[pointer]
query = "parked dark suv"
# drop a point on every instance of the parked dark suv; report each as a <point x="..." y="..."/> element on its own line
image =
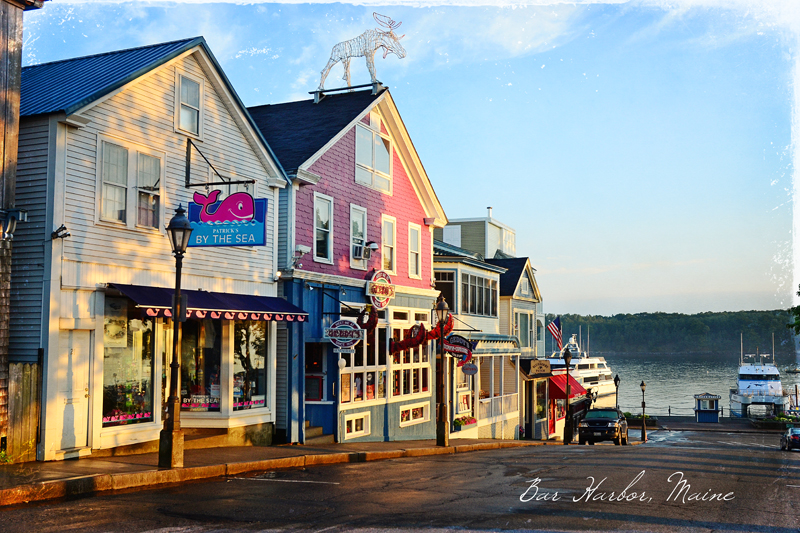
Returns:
<point x="603" y="424"/>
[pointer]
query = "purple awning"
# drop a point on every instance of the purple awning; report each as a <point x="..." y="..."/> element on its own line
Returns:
<point x="157" y="302"/>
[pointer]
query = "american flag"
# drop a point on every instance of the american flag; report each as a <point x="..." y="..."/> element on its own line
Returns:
<point x="555" y="330"/>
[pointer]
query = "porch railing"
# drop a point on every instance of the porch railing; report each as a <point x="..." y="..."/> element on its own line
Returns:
<point x="499" y="405"/>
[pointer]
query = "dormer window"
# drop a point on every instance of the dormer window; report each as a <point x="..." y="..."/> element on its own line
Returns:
<point x="373" y="155"/>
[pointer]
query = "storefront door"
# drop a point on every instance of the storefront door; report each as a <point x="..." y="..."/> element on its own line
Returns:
<point x="551" y="426"/>
<point x="73" y="388"/>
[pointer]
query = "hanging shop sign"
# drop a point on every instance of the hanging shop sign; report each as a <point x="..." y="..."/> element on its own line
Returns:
<point x="470" y="369"/>
<point x="539" y="366"/>
<point x="380" y="289"/>
<point x="237" y="220"/>
<point x="344" y="334"/>
<point x="460" y="347"/>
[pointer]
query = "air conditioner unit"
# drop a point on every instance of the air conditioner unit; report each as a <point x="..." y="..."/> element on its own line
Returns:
<point x="361" y="252"/>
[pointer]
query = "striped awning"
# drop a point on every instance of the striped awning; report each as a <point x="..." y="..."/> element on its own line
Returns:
<point x="157" y="302"/>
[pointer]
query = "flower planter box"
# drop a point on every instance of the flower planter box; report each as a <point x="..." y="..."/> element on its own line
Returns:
<point x="771" y="424"/>
<point x="465" y="427"/>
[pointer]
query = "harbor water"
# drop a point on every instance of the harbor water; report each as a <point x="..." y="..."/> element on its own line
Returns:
<point x="672" y="380"/>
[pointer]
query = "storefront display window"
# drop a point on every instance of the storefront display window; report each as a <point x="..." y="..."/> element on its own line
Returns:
<point x="201" y="361"/>
<point x="249" y="364"/>
<point x="128" y="347"/>
<point x="561" y="409"/>
<point x="541" y="400"/>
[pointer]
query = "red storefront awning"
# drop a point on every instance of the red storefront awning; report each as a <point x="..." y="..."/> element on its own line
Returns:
<point x="558" y="387"/>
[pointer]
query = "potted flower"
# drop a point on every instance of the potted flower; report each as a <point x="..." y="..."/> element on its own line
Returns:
<point x="464" y="422"/>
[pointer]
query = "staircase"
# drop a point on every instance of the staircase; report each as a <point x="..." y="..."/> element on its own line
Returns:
<point x="314" y="435"/>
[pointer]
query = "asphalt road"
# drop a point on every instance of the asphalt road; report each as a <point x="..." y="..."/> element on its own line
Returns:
<point x="679" y="481"/>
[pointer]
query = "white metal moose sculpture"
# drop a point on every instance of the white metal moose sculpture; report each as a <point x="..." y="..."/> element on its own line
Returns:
<point x="366" y="45"/>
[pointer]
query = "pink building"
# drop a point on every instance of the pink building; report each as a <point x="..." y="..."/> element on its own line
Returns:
<point x="355" y="228"/>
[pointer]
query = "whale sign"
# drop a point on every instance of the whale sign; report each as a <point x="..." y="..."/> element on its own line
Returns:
<point x="236" y="220"/>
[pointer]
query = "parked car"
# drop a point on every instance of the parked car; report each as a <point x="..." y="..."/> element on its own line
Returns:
<point x="603" y="424"/>
<point x="790" y="439"/>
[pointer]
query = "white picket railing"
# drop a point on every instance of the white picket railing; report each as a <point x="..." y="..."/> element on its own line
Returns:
<point x="499" y="405"/>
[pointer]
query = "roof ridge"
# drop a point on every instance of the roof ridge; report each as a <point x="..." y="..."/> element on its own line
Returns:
<point x="188" y="40"/>
<point x="308" y="100"/>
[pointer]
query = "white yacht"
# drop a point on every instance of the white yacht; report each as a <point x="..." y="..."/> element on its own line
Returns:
<point x="591" y="372"/>
<point x="758" y="383"/>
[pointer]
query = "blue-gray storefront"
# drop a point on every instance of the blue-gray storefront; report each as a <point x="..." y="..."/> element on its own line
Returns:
<point x="369" y="395"/>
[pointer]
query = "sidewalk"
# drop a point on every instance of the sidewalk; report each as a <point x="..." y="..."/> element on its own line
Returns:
<point x="28" y="482"/>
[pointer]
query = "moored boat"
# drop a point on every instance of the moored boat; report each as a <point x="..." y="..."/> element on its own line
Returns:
<point x="590" y="371"/>
<point x="758" y="384"/>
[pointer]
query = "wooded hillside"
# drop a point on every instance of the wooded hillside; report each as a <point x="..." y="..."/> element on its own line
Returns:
<point x="679" y="333"/>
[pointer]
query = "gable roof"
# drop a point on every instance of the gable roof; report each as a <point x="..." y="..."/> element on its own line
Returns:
<point x="298" y="130"/>
<point x="70" y="84"/>
<point x="515" y="268"/>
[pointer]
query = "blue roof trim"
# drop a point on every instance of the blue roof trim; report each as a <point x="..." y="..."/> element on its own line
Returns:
<point x="51" y="87"/>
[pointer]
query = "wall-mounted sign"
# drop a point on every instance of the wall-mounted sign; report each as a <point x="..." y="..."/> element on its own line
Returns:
<point x="539" y="366"/>
<point x="380" y="289"/>
<point x="470" y="369"/>
<point x="238" y="220"/>
<point x="344" y="334"/>
<point x="460" y="347"/>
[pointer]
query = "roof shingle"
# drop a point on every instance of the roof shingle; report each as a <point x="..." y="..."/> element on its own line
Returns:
<point x="297" y="130"/>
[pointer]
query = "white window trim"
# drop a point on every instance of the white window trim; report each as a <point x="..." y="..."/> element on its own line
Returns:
<point x="417" y="227"/>
<point x="375" y="129"/>
<point x="393" y="220"/>
<point x="177" y="116"/>
<point x="329" y="259"/>
<point x="132" y="198"/>
<point x="352" y="417"/>
<point x="426" y="410"/>
<point x="357" y="264"/>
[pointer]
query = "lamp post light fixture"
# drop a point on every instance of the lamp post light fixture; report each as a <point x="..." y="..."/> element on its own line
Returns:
<point x="442" y="429"/>
<point x="568" y="417"/>
<point x="170" y="445"/>
<point x="616" y="394"/>
<point x="644" y="422"/>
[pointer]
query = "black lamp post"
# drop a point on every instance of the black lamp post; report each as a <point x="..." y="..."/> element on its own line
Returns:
<point x="568" y="417"/>
<point x="616" y="394"/>
<point x="442" y="431"/>
<point x="170" y="446"/>
<point x="644" y="422"/>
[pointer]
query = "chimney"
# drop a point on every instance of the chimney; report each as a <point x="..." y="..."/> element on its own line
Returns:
<point x="490" y="211"/>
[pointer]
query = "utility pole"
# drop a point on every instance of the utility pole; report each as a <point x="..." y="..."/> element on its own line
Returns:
<point x="10" y="69"/>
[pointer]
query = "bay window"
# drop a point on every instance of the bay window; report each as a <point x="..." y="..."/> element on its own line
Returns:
<point x="128" y="347"/>
<point x="478" y="295"/>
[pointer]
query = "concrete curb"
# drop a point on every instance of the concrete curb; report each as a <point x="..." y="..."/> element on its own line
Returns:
<point x="81" y="485"/>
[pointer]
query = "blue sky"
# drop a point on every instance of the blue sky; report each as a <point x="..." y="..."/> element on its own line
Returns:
<point x="643" y="154"/>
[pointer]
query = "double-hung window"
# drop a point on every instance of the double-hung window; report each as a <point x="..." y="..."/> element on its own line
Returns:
<point x="414" y="255"/>
<point x="130" y="179"/>
<point x="358" y="236"/>
<point x="188" y="104"/>
<point x="373" y="155"/>
<point x="323" y="228"/>
<point x="388" y="239"/>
